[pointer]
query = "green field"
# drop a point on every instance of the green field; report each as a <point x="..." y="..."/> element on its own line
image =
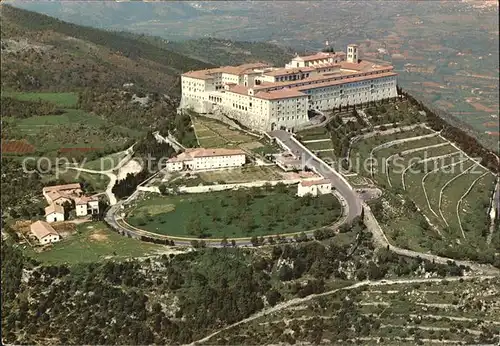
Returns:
<point x="105" y="163"/>
<point x="65" y="100"/>
<point x="73" y="129"/>
<point x="319" y="145"/>
<point x="240" y="213"/>
<point x="94" y="242"/>
<point x="314" y="133"/>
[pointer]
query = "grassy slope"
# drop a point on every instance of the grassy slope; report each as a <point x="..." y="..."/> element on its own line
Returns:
<point x="73" y="56"/>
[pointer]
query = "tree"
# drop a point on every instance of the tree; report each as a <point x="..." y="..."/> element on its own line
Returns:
<point x="255" y="241"/>
<point x="163" y="189"/>
<point x="224" y="241"/>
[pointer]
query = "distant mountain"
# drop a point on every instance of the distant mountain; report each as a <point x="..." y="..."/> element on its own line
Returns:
<point x="111" y="14"/>
<point x="43" y="53"/>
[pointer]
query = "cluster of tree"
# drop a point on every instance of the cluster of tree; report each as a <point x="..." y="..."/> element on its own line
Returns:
<point x="21" y="190"/>
<point x="125" y="187"/>
<point x="256" y="208"/>
<point x="12" y="107"/>
<point x="181" y="127"/>
<point x="164" y="241"/>
<point x="150" y="147"/>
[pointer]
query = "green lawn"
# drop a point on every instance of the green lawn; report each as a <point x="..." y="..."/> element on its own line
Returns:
<point x="314" y="133"/>
<point x="319" y="145"/>
<point x="94" y="242"/>
<point x="65" y="100"/>
<point x="234" y="213"/>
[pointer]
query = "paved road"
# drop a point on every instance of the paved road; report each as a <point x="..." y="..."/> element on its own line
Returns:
<point x="354" y="204"/>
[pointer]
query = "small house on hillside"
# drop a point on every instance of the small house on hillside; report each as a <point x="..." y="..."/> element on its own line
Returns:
<point x="86" y="205"/>
<point x="44" y="232"/>
<point x="54" y="213"/>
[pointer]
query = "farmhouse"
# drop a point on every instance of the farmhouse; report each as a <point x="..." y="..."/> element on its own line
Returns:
<point x="266" y="98"/>
<point x="201" y="158"/>
<point x="59" y="194"/>
<point x="54" y="213"/>
<point x="314" y="187"/>
<point x="44" y="232"/>
<point x="86" y="205"/>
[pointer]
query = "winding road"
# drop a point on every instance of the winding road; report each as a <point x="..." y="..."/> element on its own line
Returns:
<point x="353" y="202"/>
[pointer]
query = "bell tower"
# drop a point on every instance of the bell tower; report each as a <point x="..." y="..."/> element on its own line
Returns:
<point x="352" y="53"/>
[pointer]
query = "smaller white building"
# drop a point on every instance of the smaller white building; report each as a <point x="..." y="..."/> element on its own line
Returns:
<point x="314" y="187"/>
<point x="86" y="205"/>
<point x="201" y="158"/>
<point x="54" y="213"/>
<point x="44" y="232"/>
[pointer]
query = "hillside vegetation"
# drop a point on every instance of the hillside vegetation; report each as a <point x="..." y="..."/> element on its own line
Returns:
<point x="44" y="53"/>
<point x="227" y="52"/>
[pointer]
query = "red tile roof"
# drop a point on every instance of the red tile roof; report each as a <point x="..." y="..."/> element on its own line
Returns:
<point x="41" y="229"/>
<point x="54" y="208"/>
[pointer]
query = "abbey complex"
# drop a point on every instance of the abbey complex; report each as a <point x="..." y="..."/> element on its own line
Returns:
<point x="267" y="98"/>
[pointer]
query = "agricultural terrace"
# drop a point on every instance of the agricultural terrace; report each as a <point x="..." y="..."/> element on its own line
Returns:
<point x="64" y="100"/>
<point x="234" y="214"/>
<point x="215" y="134"/>
<point x="393" y="314"/>
<point x="73" y="129"/>
<point x="93" y="242"/>
<point x="318" y="140"/>
<point x="421" y="167"/>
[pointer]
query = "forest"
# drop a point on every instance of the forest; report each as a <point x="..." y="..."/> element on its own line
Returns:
<point x="181" y="298"/>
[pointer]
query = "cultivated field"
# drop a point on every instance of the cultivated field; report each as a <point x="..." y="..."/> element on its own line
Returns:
<point x="73" y="129"/>
<point x="65" y="100"/>
<point x="215" y="134"/>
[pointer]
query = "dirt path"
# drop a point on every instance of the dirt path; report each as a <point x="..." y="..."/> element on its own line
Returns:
<point x="297" y="301"/>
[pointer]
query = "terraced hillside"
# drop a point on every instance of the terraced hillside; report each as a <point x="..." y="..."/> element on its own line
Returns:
<point x="435" y="197"/>
<point x="389" y="313"/>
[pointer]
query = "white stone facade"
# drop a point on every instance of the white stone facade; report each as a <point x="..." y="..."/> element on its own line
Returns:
<point x="314" y="187"/>
<point x="86" y="206"/>
<point x="200" y="159"/>
<point x="266" y="98"/>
